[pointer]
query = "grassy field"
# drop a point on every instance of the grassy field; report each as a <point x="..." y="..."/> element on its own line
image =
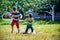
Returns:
<point x="44" y="31"/>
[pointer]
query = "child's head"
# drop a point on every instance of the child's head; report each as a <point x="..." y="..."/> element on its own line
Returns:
<point x="14" y="8"/>
<point x="30" y="16"/>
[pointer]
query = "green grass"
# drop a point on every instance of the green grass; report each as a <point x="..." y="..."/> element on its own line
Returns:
<point x="44" y="31"/>
<point x="44" y="21"/>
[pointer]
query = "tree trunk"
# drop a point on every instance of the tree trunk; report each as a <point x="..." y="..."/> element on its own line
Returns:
<point x="53" y="13"/>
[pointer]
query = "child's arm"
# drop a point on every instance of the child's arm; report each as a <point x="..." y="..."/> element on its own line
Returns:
<point x="20" y="15"/>
<point x="25" y="19"/>
<point x="32" y="20"/>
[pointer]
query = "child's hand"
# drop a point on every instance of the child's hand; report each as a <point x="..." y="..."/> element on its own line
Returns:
<point x="24" y="21"/>
<point x="30" y="23"/>
<point x="21" y="16"/>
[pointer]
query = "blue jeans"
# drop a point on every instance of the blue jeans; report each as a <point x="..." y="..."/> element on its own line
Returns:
<point x="29" y="27"/>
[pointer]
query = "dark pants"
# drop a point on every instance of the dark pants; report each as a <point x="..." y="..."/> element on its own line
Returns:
<point x="29" y="27"/>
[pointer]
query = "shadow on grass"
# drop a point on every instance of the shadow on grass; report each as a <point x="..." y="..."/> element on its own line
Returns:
<point x="56" y="36"/>
<point x="58" y="29"/>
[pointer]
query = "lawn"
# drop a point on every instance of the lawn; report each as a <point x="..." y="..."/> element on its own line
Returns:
<point x="43" y="31"/>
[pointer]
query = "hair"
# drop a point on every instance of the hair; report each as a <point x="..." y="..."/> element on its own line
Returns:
<point x="30" y="15"/>
<point x="14" y="8"/>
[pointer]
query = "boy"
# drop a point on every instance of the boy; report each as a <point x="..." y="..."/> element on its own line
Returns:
<point x="15" y="16"/>
<point x="29" y="21"/>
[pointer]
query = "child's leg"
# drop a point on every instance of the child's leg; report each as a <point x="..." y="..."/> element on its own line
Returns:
<point x="12" y="24"/>
<point x="27" y="29"/>
<point x="32" y="29"/>
<point x="17" y="25"/>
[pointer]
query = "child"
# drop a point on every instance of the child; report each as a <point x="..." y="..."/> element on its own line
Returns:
<point x="29" y="21"/>
<point x="15" y="16"/>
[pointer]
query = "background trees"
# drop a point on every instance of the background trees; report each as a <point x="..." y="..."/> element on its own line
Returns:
<point x="6" y="5"/>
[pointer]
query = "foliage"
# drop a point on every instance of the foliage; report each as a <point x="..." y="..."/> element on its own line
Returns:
<point x="6" y="5"/>
<point x="39" y="22"/>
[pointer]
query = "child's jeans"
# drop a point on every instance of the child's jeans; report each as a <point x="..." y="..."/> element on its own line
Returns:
<point x="29" y="27"/>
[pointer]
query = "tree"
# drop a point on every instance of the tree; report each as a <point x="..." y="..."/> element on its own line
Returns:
<point x="6" y="5"/>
